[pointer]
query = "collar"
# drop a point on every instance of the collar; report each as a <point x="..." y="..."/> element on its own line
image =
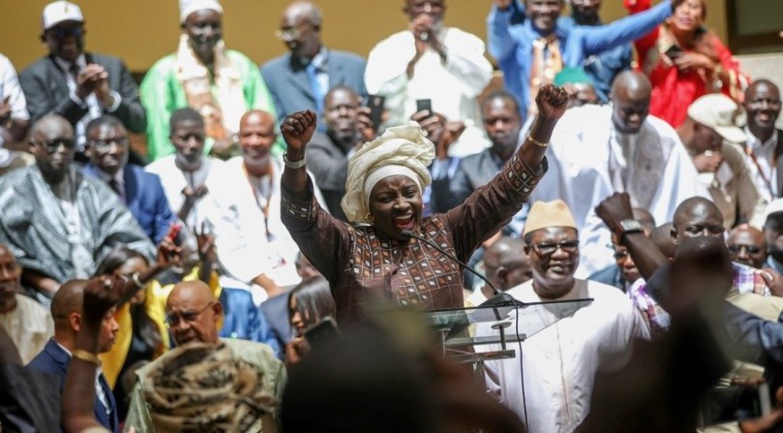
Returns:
<point x="98" y="370"/>
<point x="755" y="143"/>
<point x="119" y="177"/>
<point x="81" y="62"/>
<point x="534" y="34"/>
<point x="319" y="62"/>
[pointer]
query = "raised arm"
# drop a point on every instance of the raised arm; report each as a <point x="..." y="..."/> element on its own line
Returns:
<point x="499" y="40"/>
<point x="626" y="30"/>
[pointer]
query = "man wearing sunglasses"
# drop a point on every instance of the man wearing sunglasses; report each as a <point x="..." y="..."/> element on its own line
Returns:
<point x="194" y="315"/>
<point x="77" y="85"/>
<point x="748" y="246"/>
<point x="560" y="362"/>
<point x="58" y="222"/>
<point x="300" y="79"/>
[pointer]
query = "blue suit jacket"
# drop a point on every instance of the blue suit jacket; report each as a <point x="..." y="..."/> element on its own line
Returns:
<point x="287" y="80"/>
<point x="146" y="200"/>
<point x="243" y="320"/>
<point x="54" y="360"/>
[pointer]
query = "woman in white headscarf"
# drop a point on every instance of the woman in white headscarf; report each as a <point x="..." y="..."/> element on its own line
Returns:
<point x="377" y="260"/>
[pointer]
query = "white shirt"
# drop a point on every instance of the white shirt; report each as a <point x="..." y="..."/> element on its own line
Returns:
<point x="175" y="180"/>
<point x="560" y="363"/>
<point x="763" y="168"/>
<point x="94" y="107"/>
<point x="30" y="327"/>
<point x="98" y="388"/>
<point x="10" y="88"/>
<point x="452" y="85"/>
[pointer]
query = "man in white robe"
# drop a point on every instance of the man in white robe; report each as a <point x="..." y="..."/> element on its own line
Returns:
<point x="624" y="149"/>
<point x="431" y="61"/>
<point x="559" y="363"/>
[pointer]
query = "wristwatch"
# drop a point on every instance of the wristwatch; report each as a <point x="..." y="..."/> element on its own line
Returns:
<point x="629" y="226"/>
<point x="293" y="164"/>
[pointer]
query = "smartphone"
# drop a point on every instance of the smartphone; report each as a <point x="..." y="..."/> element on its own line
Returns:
<point x="174" y="233"/>
<point x="734" y="403"/>
<point x="376" y="103"/>
<point x="673" y="52"/>
<point x="424" y="105"/>
<point x="322" y="332"/>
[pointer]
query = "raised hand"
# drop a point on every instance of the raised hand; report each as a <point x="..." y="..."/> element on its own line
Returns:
<point x="552" y="102"/>
<point x="297" y="130"/>
<point x="502" y="4"/>
<point x="364" y="124"/>
<point x="708" y="162"/>
<point x="88" y="80"/>
<point x="100" y="295"/>
<point x="614" y="209"/>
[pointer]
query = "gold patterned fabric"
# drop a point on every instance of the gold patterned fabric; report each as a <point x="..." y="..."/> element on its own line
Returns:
<point x="364" y="270"/>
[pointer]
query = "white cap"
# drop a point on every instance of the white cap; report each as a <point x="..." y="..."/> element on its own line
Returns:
<point x="187" y="7"/>
<point x="775" y="206"/>
<point x="59" y="11"/>
<point x="721" y="113"/>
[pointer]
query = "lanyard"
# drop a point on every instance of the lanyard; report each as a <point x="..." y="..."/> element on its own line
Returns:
<point x="265" y="207"/>
<point x="752" y="155"/>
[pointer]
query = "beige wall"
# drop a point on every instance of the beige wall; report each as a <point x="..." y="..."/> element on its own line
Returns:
<point x="142" y="31"/>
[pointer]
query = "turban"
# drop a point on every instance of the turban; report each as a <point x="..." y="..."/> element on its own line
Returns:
<point x="549" y="214"/>
<point x="401" y="150"/>
<point x="187" y="7"/>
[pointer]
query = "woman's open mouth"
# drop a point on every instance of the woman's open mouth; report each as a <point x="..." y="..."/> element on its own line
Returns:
<point x="404" y="222"/>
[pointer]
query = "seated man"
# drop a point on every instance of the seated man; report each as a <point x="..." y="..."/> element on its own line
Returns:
<point x="712" y="135"/>
<point x="748" y="246"/>
<point x="27" y="323"/>
<point x="299" y="80"/>
<point x="77" y="85"/>
<point x="220" y="84"/>
<point x="505" y="266"/>
<point x="193" y="315"/>
<point x="188" y="175"/>
<point x="141" y="192"/>
<point x="560" y="362"/>
<point x="57" y="222"/>
<point x="56" y="357"/>
<point x="432" y="61"/>
<point x="328" y="154"/>
<point x="253" y="245"/>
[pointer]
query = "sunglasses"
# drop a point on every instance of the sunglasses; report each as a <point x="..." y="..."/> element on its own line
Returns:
<point x="751" y="249"/>
<point x="621" y="254"/>
<point x="52" y="145"/>
<point x="104" y="144"/>
<point x="547" y="249"/>
<point x="62" y="33"/>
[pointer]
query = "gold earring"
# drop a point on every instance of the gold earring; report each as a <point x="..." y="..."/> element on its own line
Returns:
<point x="369" y="217"/>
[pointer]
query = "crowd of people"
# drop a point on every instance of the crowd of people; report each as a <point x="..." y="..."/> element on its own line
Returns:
<point x="230" y="276"/>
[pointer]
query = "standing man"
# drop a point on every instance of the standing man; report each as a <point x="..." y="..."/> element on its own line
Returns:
<point x="58" y="223"/>
<point x="713" y="139"/>
<point x="764" y="147"/>
<point x="75" y="84"/>
<point x="142" y="192"/>
<point x="300" y="80"/>
<point x="56" y="357"/>
<point x="530" y="54"/>
<point x="431" y="61"/>
<point x="748" y="246"/>
<point x="347" y="128"/>
<point x="188" y="175"/>
<point x="560" y="362"/>
<point x="220" y="84"/>
<point x="27" y="323"/>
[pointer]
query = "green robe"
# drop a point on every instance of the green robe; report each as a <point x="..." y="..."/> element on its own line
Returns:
<point x="161" y="94"/>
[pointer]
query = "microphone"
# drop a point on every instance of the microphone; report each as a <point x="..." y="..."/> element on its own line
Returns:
<point x="411" y="234"/>
<point x="424" y="36"/>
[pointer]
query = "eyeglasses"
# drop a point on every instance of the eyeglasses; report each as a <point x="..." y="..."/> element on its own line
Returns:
<point x="547" y="249"/>
<point x="618" y="255"/>
<point x="103" y="144"/>
<point x="751" y="249"/>
<point x="64" y="32"/>
<point x="52" y="145"/>
<point x="291" y="33"/>
<point x="186" y="316"/>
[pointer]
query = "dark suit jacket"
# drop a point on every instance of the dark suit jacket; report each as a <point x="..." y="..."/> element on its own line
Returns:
<point x="146" y="200"/>
<point x="328" y="163"/>
<point x="779" y="154"/>
<point x="46" y="89"/>
<point x="275" y="310"/>
<point x="287" y="80"/>
<point x="472" y="172"/>
<point x="55" y="361"/>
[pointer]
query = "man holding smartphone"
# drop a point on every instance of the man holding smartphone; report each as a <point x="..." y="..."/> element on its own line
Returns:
<point x="430" y="61"/>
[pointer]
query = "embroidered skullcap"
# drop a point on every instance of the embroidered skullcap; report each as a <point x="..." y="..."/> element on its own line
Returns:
<point x="401" y="150"/>
<point x="187" y="7"/>
<point x="549" y="214"/>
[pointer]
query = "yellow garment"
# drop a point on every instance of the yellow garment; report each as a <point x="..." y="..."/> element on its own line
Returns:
<point x="155" y="307"/>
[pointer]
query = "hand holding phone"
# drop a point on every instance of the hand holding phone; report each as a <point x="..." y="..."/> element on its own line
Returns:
<point x="376" y="104"/>
<point x="424" y="105"/>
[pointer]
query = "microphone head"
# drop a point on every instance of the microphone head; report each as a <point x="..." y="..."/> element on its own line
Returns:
<point x="407" y="233"/>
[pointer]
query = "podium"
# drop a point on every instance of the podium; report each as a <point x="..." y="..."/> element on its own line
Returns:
<point x="499" y="321"/>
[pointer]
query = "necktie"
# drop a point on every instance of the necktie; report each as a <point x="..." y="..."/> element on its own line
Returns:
<point x="547" y="62"/>
<point x="115" y="186"/>
<point x="318" y="92"/>
<point x="74" y="71"/>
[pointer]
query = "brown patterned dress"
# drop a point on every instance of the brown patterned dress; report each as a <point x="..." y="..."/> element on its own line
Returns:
<point x="364" y="270"/>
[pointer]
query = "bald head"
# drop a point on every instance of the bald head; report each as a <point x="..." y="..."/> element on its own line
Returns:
<point x="10" y="280"/>
<point x="631" y="93"/>
<point x="300" y="29"/>
<point x="52" y="144"/>
<point x="662" y="237"/>
<point x="309" y="11"/>
<point x="256" y="137"/>
<point x="256" y="117"/>
<point x="748" y="246"/>
<point x="645" y="218"/>
<point x="697" y="216"/>
<point x="506" y="263"/>
<point x="193" y="313"/>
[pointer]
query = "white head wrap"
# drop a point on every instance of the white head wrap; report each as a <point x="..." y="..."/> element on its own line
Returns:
<point x="187" y="7"/>
<point x="401" y="150"/>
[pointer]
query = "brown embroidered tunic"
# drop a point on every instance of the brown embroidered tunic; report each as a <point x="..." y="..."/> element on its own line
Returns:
<point x="364" y="270"/>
